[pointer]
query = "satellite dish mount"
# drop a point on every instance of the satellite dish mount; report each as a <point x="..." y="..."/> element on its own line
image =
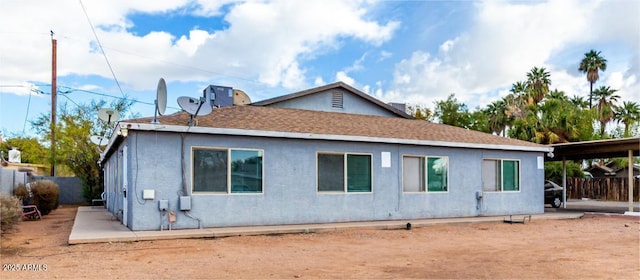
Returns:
<point x="195" y="107"/>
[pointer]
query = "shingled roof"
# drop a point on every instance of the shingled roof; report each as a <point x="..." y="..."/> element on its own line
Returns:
<point x="306" y="122"/>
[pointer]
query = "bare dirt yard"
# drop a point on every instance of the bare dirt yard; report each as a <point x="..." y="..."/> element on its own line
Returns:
<point x="594" y="247"/>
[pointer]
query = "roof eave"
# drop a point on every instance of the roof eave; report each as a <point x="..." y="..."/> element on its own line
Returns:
<point x="316" y="136"/>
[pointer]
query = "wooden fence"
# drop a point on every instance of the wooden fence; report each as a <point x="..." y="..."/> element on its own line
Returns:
<point x="612" y="189"/>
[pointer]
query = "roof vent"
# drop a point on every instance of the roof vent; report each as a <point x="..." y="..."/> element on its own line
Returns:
<point x="336" y="100"/>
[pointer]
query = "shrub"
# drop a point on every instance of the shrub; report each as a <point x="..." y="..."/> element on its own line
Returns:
<point x="21" y="193"/>
<point x="10" y="211"/>
<point x="45" y="195"/>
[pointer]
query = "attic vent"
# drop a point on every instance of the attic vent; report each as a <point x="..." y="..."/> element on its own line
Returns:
<point x="336" y="100"/>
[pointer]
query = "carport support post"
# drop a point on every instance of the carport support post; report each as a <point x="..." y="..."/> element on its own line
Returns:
<point x="564" y="183"/>
<point x="630" y="178"/>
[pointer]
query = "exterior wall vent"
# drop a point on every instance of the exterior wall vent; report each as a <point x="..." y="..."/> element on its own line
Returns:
<point x="336" y="100"/>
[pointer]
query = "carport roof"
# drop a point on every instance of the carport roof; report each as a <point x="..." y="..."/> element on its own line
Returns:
<point x="608" y="148"/>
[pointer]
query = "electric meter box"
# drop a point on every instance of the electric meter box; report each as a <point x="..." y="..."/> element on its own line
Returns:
<point x="185" y="203"/>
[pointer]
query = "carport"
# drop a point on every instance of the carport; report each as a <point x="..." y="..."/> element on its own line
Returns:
<point x="596" y="149"/>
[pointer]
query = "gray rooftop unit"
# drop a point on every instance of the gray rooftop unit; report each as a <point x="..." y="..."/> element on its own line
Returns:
<point x="219" y="96"/>
<point x="400" y="106"/>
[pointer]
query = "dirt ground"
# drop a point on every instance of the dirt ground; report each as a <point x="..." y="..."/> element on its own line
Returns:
<point x="595" y="247"/>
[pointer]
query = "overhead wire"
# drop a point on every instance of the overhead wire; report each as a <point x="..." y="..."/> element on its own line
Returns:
<point x="101" y="49"/>
<point x="67" y="97"/>
<point x="72" y="90"/>
<point x="26" y="116"/>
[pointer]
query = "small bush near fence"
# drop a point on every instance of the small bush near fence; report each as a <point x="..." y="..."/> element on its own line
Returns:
<point x="44" y="195"/>
<point x="10" y="211"/>
<point x="21" y="193"/>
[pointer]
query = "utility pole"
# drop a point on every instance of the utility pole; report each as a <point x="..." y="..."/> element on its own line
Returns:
<point x="53" y="104"/>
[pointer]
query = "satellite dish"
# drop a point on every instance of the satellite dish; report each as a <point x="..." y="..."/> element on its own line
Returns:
<point x="98" y="140"/>
<point x="108" y="115"/>
<point x="240" y="97"/>
<point x="193" y="106"/>
<point x="161" y="100"/>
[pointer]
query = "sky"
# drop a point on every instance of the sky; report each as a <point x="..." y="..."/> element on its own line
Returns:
<point x="414" y="52"/>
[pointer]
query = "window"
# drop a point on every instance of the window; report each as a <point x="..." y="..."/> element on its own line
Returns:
<point x="500" y="175"/>
<point x="420" y="174"/>
<point x="344" y="172"/>
<point x="212" y="172"/>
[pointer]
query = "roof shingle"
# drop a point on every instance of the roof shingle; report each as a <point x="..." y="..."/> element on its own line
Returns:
<point x="329" y="123"/>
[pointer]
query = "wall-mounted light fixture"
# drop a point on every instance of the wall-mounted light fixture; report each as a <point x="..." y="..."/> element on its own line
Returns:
<point x="123" y="132"/>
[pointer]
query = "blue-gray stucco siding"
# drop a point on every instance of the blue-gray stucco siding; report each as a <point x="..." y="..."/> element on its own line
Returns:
<point x="290" y="194"/>
<point x="322" y="101"/>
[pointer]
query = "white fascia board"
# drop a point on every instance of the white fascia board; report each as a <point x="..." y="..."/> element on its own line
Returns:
<point x="333" y="137"/>
<point x="112" y="140"/>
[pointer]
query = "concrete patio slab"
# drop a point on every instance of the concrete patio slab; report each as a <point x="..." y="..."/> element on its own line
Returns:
<point x="97" y="225"/>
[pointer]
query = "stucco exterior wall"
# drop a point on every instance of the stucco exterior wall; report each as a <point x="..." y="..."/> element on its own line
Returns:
<point x="10" y="179"/>
<point x="290" y="196"/>
<point x="321" y="101"/>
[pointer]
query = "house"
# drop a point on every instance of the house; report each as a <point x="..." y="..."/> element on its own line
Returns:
<point x="611" y="169"/>
<point x="328" y="154"/>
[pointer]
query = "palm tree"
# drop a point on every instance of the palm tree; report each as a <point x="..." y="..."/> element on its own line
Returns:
<point x="579" y="102"/>
<point x="515" y="102"/>
<point x="562" y="121"/>
<point x="498" y="119"/>
<point x="557" y="94"/>
<point x="518" y="88"/>
<point x="590" y="65"/>
<point x="628" y="113"/>
<point x="605" y="107"/>
<point x="538" y="83"/>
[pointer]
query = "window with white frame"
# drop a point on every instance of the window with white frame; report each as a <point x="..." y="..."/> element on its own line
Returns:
<point x="227" y="170"/>
<point x="425" y="174"/>
<point x="344" y="172"/>
<point x="500" y="175"/>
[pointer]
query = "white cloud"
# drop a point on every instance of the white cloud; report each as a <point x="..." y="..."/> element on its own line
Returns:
<point x="507" y="39"/>
<point x="384" y="55"/>
<point x="342" y="76"/>
<point x="264" y="41"/>
<point x="318" y="81"/>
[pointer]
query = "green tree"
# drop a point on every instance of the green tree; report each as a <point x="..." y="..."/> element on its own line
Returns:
<point x="628" y="114"/>
<point x="497" y="117"/>
<point x="420" y="113"/>
<point x="591" y="64"/>
<point x="543" y="116"/>
<point x="557" y="94"/>
<point x="579" y="102"/>
<point x="538" y="83"/>
<point x="527" y="128"/>
<point x="452" y="112"/>
<point x="478" y="121"/>
<point x="605" y="108"/>
<point x="562" y="121"/>
<point x="516" y="101"/>
<point x="32" y="151"/>
<point x="74" y="149"/>
<point x="553" y="171"/>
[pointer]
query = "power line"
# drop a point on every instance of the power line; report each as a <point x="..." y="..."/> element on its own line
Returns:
<point x="72" y="90"/>
<point x="27" y="114"/>
<point x="101" y="49"/>
<point x="67" y="97"/>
